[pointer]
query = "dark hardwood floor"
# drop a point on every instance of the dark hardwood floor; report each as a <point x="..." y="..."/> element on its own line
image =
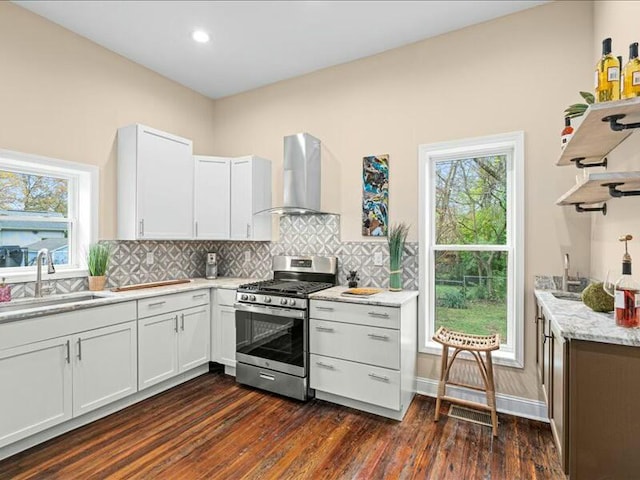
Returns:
<point x="211" y="428"/>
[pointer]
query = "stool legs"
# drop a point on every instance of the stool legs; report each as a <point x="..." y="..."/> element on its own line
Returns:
<point x="443" y="382"/>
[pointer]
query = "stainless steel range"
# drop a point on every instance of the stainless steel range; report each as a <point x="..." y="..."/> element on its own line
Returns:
<point x="272" y="325"/>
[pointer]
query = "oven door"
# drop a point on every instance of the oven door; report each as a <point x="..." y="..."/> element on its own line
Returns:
<point x="274" y="338"/>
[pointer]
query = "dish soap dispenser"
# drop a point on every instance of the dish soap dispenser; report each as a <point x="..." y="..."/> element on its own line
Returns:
<point x="626" y="292"/>
<point x="5" y="291"/>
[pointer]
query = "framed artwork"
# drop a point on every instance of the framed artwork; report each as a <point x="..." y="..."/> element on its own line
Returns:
<point x="375" y="195"/>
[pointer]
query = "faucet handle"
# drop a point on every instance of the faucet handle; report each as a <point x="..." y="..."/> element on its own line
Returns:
<point x="50" y="267"/>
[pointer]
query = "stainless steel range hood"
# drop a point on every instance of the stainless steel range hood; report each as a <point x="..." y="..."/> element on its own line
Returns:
<point x="302" y="176"/>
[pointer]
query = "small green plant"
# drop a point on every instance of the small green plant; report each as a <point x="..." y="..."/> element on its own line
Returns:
<point x="98" y="259"/>
<point x="397" y="237"/>
<point x="452" y="299"/>
<point x="578" y="109"/>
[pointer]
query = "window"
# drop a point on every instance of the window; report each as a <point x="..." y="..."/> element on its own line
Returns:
<point x="471" y="230"/>
<point x="45" y="203"/>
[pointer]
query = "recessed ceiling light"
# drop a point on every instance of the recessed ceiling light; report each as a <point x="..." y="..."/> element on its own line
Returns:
<point x="200" y="36"/>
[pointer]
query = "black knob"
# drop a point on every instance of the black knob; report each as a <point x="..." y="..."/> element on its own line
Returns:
<point x="243" y="297"/>
<point x="283" y="301"/>
<point x="252" y="298"/>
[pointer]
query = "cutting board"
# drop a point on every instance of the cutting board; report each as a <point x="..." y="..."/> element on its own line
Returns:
<point x="140" y="286"/>
<point x="361" y="292"/>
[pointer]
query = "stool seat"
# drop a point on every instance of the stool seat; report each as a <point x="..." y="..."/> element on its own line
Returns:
<point x="466" y="341"/>
<point x="475" y="345"/>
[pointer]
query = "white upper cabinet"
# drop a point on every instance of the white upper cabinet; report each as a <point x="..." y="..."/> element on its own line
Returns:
<point x="250" y="193"/>
<point x="155" y="185"/>
<point x="212" y="200"/>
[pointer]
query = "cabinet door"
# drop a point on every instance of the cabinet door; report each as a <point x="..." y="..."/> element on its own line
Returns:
<point x="36" y="384"/>
<point x="193" y="338"/>
<point x="157" y="349"/>
<point x="227" y="335"/>
<point x="212" y="198"/>
<point x="540" y="361"/>
<point x="557" y="413"/>
<point x="547" y="385"/>
<point x="164" y="180"/>
<point x="241" y="199"/>
<point x="105" y="366"/>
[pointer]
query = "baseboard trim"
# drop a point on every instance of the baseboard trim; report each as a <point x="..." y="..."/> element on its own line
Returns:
<point x="509" y="404"/>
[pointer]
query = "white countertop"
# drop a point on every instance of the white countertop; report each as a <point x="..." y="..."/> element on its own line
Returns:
<point x="574" y="320"/>
<point x="385" y="298"/>
<point x="107" y="297"/>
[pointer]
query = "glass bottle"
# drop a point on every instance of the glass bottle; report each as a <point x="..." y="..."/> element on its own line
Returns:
<point x="607" y="75"/>
<point x="631" y="74"/>
<point x="567" y="132"/>
<point x="627" y="293"/>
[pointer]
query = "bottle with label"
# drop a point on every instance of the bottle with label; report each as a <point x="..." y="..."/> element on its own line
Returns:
<point x="631" y="74"/>
<point x="627" y="293"/>
<point x="607" y="75"/>
<point x="567" y="132"/>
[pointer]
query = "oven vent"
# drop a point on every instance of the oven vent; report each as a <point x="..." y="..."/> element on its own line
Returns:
<point x="470" y="415"/>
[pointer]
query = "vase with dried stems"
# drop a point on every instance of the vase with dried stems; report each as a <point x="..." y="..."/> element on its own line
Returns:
<point x="97" y="262"/>
<point x="397" y="237"/>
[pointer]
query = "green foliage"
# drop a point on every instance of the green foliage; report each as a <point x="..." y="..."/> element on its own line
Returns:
<point x="397" y="237"/>
<point x="98" y="259"/>
<point x="452" y="299"/>
<point x="480" y="318"/>
<point x="595" y="297"/>
<point x="33" y="193"/>
<point x="578" y="109"/>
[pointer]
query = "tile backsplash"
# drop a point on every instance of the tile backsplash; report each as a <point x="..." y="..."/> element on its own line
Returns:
<point x="299" y="235"/>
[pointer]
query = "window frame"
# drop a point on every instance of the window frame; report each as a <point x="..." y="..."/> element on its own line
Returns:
<point x="511" y="144"/>
<point x="82" y="213"/>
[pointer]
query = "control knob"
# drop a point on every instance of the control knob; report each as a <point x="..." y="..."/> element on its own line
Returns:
<point x="252" y="298"/>
<point x="292" y="302"/>
<point x="243" y="296"/>
<point x="283" y="301"/>
<point x="267" y="299"/>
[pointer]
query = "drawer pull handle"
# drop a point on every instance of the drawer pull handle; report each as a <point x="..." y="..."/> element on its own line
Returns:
<point x="79" y="348"/>
<point x="155" y="304"/>
<point x="377" y="336"/>
<point x="325" y="309"/>
<point x="68" y="358"/>
<point x="382" y="378"/>
<point x="325" y="365"/>
<point x="378" y="314"/>
<point x="325" y="329"/>
<point x="199" y="296"/>
<point x="175" y="327"/>
<point x="267" y="377"/>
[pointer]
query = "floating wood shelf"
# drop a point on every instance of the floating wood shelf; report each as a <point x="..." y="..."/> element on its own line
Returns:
<point x="595" y="138"/>
<point x="597" y="188"/>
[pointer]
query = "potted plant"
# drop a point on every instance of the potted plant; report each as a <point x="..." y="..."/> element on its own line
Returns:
<point x="397" y="238"/>
<point x="97" y="262"/>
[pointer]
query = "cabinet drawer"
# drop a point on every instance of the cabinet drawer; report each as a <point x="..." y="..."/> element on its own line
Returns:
<point x="383" y="317"/>
<point x="225" y="297"/>
<point x="360" y="343"/>
<point x="374" y="385"/>
<point x="170" y="303"/>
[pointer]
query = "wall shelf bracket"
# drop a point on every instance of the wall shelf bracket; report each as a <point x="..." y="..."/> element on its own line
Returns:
<point x="579" y="164"/>
<point x="616" y="126"/>
<point x="581" y="209"/>
<point x="614" y="192"/>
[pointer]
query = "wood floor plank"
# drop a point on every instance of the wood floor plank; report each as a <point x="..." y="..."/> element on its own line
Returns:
<point x="211" y="428"/>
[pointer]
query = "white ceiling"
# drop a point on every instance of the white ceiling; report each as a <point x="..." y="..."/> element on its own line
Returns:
<point x="255" y="43"/>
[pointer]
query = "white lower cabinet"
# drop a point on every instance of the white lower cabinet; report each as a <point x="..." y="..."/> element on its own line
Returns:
<point x="223" y="332"/>
<point x="105" y="366"/>
<point x="37" y="389"/>
<point x="173" y="342"/>
<point x="364" y="356"/>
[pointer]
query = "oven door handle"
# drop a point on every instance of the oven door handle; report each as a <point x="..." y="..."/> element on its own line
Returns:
<point x="276" y="312"/>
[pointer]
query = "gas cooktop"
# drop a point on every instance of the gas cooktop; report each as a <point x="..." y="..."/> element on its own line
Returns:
<point x="284" y="287"/>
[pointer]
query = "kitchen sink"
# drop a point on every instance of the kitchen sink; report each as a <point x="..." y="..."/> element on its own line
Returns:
<point x="28" y="303"/>
<point x="576" y="297"/>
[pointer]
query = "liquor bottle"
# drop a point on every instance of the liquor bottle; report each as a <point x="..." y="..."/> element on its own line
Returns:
<point x="567" y="132"/>
<point x="631" y="74"/>
<point x="627" y="292"/>
<point x="607" y="75"/>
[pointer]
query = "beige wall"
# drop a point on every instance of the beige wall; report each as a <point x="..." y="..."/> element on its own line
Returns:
<point x="618" y="20"/>
<point x="515" y="73"/>
<point x="63" y="96"/>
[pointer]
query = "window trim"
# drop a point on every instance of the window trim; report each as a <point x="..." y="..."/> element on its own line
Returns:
<point x="478" y="146"/>
<point x="84" y="185"/>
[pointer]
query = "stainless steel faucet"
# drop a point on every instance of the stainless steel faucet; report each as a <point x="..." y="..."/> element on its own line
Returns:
<point x="565" y="277"/>
<point x="50" y="269"/>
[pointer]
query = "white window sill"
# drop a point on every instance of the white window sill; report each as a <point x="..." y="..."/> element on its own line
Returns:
<point x="29" y="275"/>
<point x="499" y="357"/>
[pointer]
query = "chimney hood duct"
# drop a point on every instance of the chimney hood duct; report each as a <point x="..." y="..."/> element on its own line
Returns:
<point x="301" y="176"/>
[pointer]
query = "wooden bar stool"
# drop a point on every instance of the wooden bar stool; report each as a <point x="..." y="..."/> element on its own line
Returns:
<point x="473" y="344"/>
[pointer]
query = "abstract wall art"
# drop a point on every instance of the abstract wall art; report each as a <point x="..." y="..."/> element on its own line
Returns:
<point x="375" y="195"/>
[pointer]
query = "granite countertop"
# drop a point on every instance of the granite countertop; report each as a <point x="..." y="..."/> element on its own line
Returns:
<point x="575" y="321"/>
<point x="73" y="301"/>
<point x="382" y="299"/>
